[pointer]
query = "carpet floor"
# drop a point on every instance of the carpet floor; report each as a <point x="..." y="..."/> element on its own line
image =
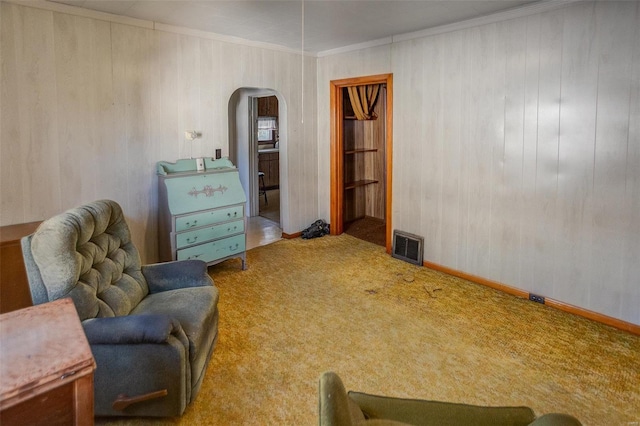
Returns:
<point x="388" y="327"/>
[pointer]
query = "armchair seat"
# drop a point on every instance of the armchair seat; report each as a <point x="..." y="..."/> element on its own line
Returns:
<point x="341" y="408"/>
<point x="189" y="307"/>
<point x="152" y="328"/>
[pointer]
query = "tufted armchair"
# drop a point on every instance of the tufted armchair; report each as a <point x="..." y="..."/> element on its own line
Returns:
<point x="152" y="329"/>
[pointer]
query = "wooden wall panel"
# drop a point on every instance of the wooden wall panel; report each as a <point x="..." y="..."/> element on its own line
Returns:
<point x="90" y="106"/>
<point x="543" y="214"/>
<point x="615" y="41"/>
<point x="108" y="133"/>
<point x="517" y="150"/>
<point x="576" y="154"/>
<point x="427" y="147"/>
<point x="34" y="190"/>
<point x="358" y="135"/>
<point x="118" y="181"/>
<point x="482" y="125"/>
<point x="189" y="94"/>
<point x="528" y="231"/>
<point x="469" y="52"/>
<point x="631" y="204"/>
<point x="375" y="163"/>
<point x="167" y="133"/>
<point x="507" y="162"/>
<point x="76" y="57"/>
<point x="12" y="140"/>
<point x="455" y="64"/>
<point x="132" y="49"/>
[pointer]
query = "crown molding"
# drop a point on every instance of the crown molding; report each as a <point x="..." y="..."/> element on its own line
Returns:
<point x="359" y="46"/>
<point x="224" y="38"/>
<point x="85" y="13"/>
<point x="517" y="12"/>
<point x="151" y="25"/>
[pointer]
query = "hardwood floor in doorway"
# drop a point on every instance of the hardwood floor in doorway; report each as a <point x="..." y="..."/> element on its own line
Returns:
<point x="262" y="231"/>
<point x="270" y="206"/>
<point x="368" y="229"/>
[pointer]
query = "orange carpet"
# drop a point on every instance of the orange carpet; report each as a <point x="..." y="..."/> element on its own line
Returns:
<point x="392" y="328"/>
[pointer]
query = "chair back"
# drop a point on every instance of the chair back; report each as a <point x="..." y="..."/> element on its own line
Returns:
<point x="86" y="254"/>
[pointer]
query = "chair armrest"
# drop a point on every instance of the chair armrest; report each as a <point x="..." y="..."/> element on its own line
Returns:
<point x="130" y="329"/>
<point x="413" y="411"/>
<point x="177" y="274"/>
<point x="556" y="419"/>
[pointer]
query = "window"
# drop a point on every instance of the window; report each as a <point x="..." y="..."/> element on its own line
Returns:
<point x="265" y="135"/>
<point x="266" y="126"/>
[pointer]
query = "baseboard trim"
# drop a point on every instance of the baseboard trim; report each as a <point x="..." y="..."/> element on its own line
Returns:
<point x="595" y="316"/>
<point x="291" y="236"/>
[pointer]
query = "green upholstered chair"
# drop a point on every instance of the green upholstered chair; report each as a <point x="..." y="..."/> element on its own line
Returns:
<point x="339" y="408"/>
<point x="151" y="328"/>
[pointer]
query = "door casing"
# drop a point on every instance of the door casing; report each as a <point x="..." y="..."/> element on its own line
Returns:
<point x="337" y="149"/>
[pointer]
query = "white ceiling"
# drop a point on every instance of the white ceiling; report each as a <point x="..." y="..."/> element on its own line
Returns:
<point x="329" y="24"/>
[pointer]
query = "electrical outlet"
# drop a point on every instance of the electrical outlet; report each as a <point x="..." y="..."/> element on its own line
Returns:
<point x="536" y="298"/>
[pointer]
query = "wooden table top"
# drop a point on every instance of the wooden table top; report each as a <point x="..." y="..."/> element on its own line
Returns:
<point x="41" y="347"/>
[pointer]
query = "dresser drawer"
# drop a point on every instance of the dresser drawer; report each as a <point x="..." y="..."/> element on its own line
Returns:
<point x="208" y="217"/>
<point x="214" y="250"/>
<point x="205" y="234"/>
<point x="203" y="191"/>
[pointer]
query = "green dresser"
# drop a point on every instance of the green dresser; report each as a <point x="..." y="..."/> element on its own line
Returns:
<point x="202" y="213"/>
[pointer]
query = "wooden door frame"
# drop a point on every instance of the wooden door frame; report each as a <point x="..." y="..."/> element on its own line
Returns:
<point x="337" y="148"/>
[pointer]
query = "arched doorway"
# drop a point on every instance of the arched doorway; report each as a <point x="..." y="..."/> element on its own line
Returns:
<point x="244" y="146"/>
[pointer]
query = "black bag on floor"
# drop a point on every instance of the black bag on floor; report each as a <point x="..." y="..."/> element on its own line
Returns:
<point x="317" y="229"/>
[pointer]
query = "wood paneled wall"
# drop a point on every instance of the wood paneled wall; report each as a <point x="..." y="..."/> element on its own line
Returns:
<point x="90" y="106"/>
<point x="368" y="200"/>
<point x="516" y="144"/>
<point x="517" y="150"/>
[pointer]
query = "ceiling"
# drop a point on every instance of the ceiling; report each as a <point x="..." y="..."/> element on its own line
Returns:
<point x="328" y="24"/>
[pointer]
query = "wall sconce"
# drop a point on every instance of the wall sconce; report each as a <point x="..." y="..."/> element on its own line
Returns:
<point x="191" y="135"/>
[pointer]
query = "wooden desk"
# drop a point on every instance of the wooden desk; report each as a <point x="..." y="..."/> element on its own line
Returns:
<point x="46" y="367"/>
<point x="14" y="287"/>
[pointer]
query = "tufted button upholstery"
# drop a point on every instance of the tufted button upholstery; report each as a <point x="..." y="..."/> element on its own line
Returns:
<point x="151" y="328"/>
<point x="87" y="254"/>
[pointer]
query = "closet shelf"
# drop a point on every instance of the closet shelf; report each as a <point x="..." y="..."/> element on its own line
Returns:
<point x="361" y="150"/>
<point x="357" y="183"/>
<point x="353" y="117"/>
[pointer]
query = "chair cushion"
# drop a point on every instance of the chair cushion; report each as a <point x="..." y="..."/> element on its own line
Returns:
<point x="424" y="413"/>
<point x="87" y="254"/>
<point x="196" y="310"/>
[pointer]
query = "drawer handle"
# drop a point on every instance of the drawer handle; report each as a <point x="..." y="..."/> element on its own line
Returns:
<point x="190" y="225"/>
<point x="69" y="374"/>
<point x="235" y="214"/>
<point x="195" y="256"/>
<point x="234" y="228"/>
<point x="231" y="248"/>
<point x="189" y="240"/>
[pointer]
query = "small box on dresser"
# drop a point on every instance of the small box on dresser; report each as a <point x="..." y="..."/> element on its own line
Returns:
<point x="202" y="213"/>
